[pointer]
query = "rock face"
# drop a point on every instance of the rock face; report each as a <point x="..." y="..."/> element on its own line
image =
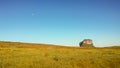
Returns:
<point x="86" y="43"/>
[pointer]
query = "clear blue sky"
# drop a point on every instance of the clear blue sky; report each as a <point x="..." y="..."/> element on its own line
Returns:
<point x="62" y="22"/>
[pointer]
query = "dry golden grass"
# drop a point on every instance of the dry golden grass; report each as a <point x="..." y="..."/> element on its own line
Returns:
<point x="47" y="56"/>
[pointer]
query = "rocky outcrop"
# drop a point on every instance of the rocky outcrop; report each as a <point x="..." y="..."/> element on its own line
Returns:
<point x="86" y="43"/>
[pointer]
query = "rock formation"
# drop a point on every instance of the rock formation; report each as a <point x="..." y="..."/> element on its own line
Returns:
<point x="86" y="43"/>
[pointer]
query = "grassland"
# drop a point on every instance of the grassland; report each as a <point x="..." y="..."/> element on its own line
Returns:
<point x="23" y="55"/>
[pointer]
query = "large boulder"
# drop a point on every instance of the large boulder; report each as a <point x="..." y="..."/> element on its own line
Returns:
<point x="86" y="43"/>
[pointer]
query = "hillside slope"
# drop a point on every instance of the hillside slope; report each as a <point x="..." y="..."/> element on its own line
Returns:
<point x="5" y="44"/>
<point x="26" y="55"/>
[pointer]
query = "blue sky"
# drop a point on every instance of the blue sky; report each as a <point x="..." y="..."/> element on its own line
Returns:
<point x="62" y="22"/>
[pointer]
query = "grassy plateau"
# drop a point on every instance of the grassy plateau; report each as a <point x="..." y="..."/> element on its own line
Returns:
<point x="26" y="55"/>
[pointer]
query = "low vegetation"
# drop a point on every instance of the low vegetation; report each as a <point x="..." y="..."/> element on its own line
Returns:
<point x="23" y="55"/>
